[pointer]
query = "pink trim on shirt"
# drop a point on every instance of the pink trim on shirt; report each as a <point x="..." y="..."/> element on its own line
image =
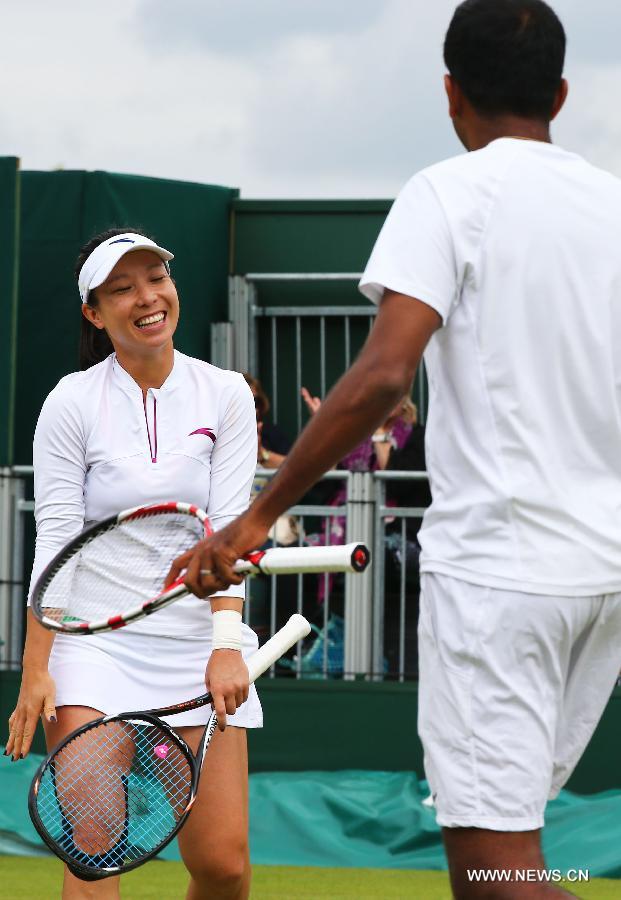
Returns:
<point x="146" y="418"/>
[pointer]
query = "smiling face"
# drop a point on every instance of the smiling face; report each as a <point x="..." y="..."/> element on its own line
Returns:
<point x="137" y="305"/>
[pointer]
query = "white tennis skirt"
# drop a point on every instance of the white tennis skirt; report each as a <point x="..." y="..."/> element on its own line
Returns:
<point x="125" y="671"/>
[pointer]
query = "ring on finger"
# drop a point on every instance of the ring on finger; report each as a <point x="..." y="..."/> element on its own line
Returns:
<point x="206" y="572"/>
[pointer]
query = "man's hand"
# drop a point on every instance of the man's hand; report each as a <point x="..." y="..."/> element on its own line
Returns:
<point x="358" y="404"/>
<point x="227" y="680"/>
<point x="217" y="555"/>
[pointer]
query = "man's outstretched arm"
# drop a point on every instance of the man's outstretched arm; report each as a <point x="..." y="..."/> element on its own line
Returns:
<point x="359" y="402"/>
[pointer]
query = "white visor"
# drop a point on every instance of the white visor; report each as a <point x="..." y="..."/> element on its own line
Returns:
<point x="106" y="255"/>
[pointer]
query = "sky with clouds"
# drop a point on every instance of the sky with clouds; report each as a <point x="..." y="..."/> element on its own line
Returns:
<point x="281" y="98"/>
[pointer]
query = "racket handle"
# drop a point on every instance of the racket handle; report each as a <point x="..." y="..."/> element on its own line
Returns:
<point x="300" y="560"/>
<point x="296" y="628"/>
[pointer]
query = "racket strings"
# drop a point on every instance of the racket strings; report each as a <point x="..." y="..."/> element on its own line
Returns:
<point x="118" y="569"/>
<point x="115" y="793"/>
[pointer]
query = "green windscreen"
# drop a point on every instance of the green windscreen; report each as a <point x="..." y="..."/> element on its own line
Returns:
<point x="9" y="236"/>
<point x="60" y="212"/>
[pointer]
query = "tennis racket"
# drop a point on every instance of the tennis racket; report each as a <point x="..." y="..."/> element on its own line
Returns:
<point x="112" y="573"/>
<point x="116" y="791"/>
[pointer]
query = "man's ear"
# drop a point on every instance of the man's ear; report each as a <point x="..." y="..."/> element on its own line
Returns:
<point x="561" y="97"/>
<point x="91" y="313"/>
<point x="455" y="96"/>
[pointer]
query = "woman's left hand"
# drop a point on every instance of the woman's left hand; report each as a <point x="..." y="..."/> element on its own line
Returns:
<point x="227" y="680"/>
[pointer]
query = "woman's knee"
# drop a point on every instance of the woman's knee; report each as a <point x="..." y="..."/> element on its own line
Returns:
<point x="227" y="867"/>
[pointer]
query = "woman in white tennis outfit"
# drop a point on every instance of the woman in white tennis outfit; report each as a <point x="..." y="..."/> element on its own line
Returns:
<point x="146" y="424"/>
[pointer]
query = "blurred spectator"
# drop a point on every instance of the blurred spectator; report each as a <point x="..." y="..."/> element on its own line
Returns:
<point x="402" y="552"/>
<point x="404" y="549"/>
<point x="399" y="434"/>
<point x="272" y="447"/>
<point x="273" y="443"/>
<point x="373" y="453"/>
<point x="410" y="458"/>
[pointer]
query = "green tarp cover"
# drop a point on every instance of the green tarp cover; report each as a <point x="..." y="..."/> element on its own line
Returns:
<point x="355" y="818"/>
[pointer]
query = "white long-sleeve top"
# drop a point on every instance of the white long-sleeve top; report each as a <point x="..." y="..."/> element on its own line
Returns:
<point x="100" y="447"/>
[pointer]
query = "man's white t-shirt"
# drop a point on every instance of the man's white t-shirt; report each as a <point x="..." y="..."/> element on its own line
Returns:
<point x="518" y="248"/>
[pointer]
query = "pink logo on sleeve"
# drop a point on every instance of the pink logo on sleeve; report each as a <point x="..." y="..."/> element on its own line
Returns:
<point x="206" y="431"/>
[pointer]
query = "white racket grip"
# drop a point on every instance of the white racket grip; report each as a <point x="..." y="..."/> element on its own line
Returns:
<point x="296" y="628"/>
<point x="300" y="560"/>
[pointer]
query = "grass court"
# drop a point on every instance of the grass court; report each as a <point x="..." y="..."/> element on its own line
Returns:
<point x="32" y="878"/>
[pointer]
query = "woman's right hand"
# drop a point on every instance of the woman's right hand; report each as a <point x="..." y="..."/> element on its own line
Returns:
<point x="312" y="403"/>
<point x="37" y="696"/>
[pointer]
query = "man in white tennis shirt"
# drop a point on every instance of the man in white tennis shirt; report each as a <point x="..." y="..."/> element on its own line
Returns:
<point x="503" y="265"/>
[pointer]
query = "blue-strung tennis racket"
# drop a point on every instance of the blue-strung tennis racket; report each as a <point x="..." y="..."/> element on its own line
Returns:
<point x="116" y="791"/>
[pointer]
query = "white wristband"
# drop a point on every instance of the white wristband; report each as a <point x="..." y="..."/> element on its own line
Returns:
<point x="226" y="630"/>
<point x="384" y="438"/>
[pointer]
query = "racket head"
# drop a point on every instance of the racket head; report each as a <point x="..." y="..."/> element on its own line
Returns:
<point x="82" y="752"/>
<point x="113" y="794"/>
<point x="113" y="572"/>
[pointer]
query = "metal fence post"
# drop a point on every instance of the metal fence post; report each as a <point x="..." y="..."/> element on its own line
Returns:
<point x="359" y="588"/>
<point x="242" y="314"/>
<point x="18" y="588"/>
<point x="6" y="529"/>
<point x="378" y="581"/>
<point x="238" y="315"/>
<point x="221" y="353"/>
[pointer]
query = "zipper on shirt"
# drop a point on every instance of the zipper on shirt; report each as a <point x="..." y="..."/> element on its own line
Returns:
<point x="152" y="443"/>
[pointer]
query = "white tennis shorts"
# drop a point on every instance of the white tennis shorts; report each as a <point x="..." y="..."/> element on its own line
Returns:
<point x="512" y="686"/>
<point x="126" y="671"/>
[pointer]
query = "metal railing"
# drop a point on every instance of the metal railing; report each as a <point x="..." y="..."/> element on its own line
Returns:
<point x="404" y="550"/>
<point x="323" y="595"/>
<point x="364" y="626"/>
<point x="312" y="596"/>
<point x="236" y="344"/>
<point x="13" y="506"/>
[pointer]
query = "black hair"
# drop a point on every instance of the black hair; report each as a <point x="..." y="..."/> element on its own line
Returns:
<point x="95" y="345"/>
<point x="507" y="56"/>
